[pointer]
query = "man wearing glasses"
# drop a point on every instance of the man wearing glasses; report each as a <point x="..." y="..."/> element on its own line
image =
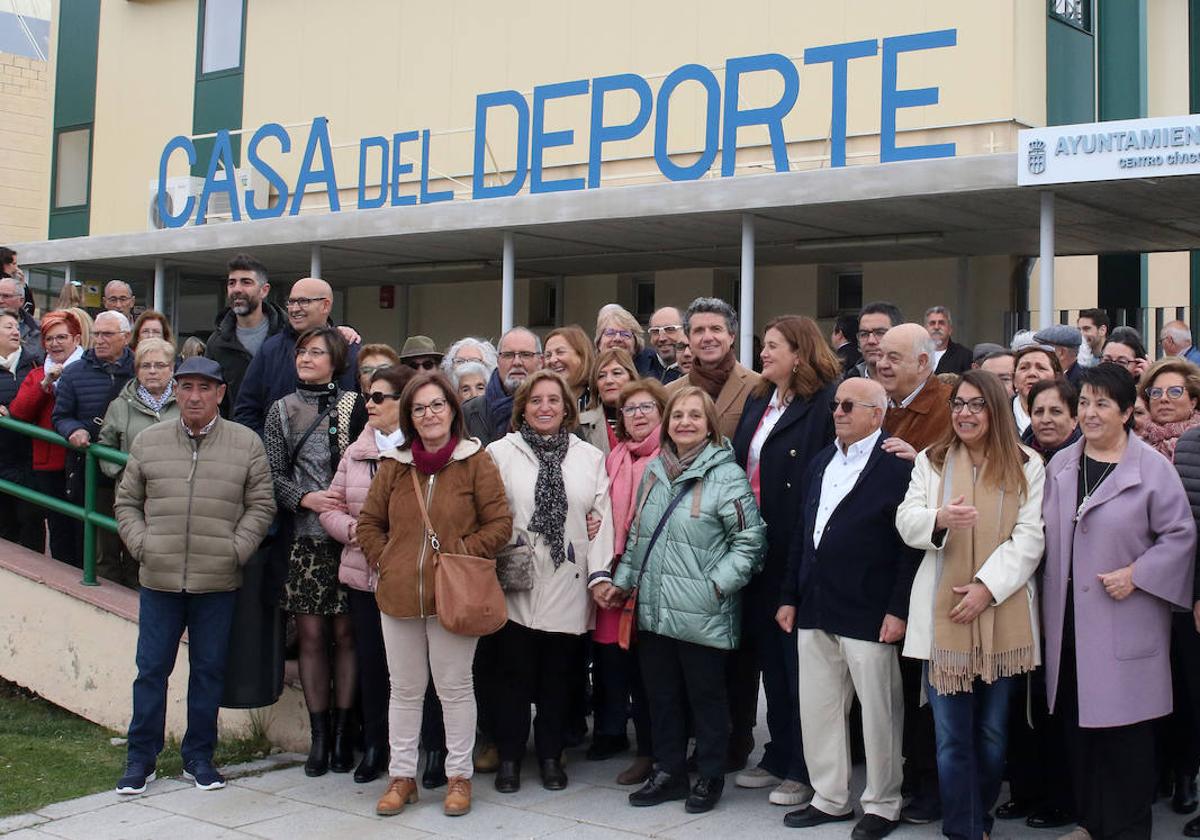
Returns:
<point x="118" y="297"/>
<point x="242" y="328"/>
<point x="874" y="320"/>
<point x="420" y="353"/>
<point x="12" y="298"/>
<point x="666" y="330"/>
<point x="272" y="372"/>
<point x="488" y="417"/>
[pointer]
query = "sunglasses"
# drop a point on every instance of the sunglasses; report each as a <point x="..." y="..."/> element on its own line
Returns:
<point x="421" y="364"/>
<point x="847" y="406"/>
<point x="379" y="398"/>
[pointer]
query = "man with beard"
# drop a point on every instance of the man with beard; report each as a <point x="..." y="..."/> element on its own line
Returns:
<point x="248" y="320"/>
<point x="666" y="329"/>
<point x="488" y="416"/>
<point x="948" y="355"/>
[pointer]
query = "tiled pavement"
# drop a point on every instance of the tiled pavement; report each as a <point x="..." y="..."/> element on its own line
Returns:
<point x="283" y="804"/>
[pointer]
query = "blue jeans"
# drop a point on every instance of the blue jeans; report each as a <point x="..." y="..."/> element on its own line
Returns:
<point x="162" y="618"/>
<point x="972" y="734"/>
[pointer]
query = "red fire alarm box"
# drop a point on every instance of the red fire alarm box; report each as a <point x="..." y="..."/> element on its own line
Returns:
<point x="387" y="297"/>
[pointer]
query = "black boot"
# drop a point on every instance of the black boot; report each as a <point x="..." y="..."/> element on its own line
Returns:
<point x="342" y="755"/>
<point x="508" y="776"/>
<point x="374" y="762"/>
<point x="705" y="794"/>
<point x="435" y="769"/>
<point x="318" y="753"/>
<point x="554" y="777"/>
<point x="659" y="788"/>
<point x="1184" y="801"/>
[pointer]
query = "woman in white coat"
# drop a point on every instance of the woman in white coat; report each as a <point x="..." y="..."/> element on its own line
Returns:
<point x="553" y="480"/>
<point x="974" y="505"/>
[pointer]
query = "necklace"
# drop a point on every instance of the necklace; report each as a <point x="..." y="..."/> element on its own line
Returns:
<point x="1088" y="488"/>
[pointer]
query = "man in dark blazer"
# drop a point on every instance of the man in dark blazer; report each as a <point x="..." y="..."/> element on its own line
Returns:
<point x="949" y="355"/>
<point x="846" y="593"/>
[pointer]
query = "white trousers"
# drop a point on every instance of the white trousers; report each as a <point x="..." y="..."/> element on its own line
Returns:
<point x="416" y="646"/>
<point x="832" y="670"/>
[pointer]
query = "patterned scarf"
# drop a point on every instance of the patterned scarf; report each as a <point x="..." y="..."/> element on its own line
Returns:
<point x="152" y="402"/>
<point x="1164" y="436"/>
<point x="549" y="493"/>
<point x="674" y="464"/>
<point x="712" y="377"/>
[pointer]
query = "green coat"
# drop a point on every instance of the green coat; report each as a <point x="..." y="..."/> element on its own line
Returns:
<point x="715" y="539"/>
<point x="126" y="418"/>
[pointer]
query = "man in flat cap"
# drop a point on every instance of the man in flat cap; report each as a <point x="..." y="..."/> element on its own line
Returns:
<point x="1064" y="340"/>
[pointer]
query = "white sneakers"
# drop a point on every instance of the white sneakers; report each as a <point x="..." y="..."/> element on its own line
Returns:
<point x="791" y="793"/>
<point x="756" y="777"/>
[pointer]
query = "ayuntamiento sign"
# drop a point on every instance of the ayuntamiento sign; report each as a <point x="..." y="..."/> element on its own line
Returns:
<point x="1109" y="151"/>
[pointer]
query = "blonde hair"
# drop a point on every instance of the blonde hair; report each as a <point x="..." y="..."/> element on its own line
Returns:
<point x="85" y="326"/>
<point x="577" y="340"/>
<point x="154" y="345"/>
<point x="606" y="358"/>
<point x="618" y="316"/>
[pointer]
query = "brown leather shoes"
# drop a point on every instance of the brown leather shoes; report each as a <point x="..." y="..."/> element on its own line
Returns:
<point x="401" y="791"/>
<point x="637" y="772"/>
<point x="458" y="797"/>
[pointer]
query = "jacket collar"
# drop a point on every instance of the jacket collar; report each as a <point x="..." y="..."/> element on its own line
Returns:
<point x="1127" y="473"/>
<point x="711" y="456"/>
<point x="814" y="492"/>
<point x="124" y="361"/>
<point x="227" y="320"/>
<point x="464" y="450"/>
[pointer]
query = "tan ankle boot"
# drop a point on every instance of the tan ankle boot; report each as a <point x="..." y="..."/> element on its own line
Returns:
<point x="458" y="797"/>
<point x="401" y="791"/>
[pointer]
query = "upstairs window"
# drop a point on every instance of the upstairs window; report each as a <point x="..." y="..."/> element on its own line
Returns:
<point x="221" y="38"/>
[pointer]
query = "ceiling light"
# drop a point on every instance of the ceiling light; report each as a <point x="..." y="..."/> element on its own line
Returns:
<point x="882" y="240"/>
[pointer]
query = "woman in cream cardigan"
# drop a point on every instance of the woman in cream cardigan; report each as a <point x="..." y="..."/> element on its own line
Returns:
<point x="974" y="505"/>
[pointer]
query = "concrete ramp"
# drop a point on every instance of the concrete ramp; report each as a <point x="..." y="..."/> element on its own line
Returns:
<point x="75" y="646"/>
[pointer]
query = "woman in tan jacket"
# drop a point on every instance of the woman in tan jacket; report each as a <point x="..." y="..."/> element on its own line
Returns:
<point x="468" y="509"/>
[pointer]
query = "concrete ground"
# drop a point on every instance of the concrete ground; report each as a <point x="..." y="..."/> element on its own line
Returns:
<point x="285" y="804"/>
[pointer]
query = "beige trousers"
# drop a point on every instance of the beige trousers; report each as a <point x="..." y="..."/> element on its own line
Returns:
<point x="832" y="670"/>
<point x="416" y="646"/>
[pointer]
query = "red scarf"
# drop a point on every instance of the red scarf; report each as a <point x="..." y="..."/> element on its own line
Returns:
<point x="428" y="463"/>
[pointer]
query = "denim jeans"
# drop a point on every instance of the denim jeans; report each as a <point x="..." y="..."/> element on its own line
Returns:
<point x="162" y="618"/>
<point x="972" y="734"/>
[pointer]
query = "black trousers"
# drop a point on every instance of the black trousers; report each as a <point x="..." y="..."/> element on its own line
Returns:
<point x="533" y="666"/>
<point x="1039" y="772"/>
<point x="486" y="687"/>
<point x="618" y="694"/>
<point x="374" y="689"/>
<point x="1179" y="732"/>
<point x="783" y="755"/>
<point x="920" y="742"/>
<point x="678" y="674"/>
<point x="66" y="534"/>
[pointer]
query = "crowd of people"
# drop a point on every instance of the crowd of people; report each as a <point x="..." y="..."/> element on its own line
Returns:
<point x="987" y="553"/>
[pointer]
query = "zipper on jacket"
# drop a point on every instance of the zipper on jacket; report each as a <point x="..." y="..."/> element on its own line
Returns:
<point x="187" y="533"/>
<point x="424" y="549"/>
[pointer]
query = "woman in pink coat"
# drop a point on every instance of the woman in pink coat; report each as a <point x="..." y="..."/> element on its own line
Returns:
<point x="1120" y="551"/>
<point x="349" y="487"/>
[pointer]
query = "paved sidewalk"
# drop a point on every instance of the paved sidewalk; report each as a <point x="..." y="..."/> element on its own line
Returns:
<point x="285" y="804"/>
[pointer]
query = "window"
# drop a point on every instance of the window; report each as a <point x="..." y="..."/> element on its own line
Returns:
<point x="71" y="167"/>
<point x="643" y="299"/>
<point x="1077" y="13"/>
<point x="544" y="301"/>
<point x="849" y="291"/>
<point x="221" y="38"/>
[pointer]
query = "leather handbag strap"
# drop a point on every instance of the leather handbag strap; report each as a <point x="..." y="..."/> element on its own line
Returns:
<point x="658" y="529"/>
<point x="308" y="433"/>
<point x="430" y="534"/>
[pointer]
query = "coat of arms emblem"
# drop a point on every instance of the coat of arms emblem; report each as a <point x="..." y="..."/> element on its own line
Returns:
<point x="1036" y="160"/>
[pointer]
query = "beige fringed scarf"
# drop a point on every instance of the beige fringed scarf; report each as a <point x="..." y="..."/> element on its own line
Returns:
<point x="999" y="643"/>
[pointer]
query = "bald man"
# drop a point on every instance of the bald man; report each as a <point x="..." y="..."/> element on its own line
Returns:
<point x="918" y="402"/>
<point x="846" y="595"/>
<point x="272" y="373"/>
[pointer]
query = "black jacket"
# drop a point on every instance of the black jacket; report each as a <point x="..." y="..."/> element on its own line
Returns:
<point x="1187" y="464"/>
<point x="850" y="356"/>
<point x="956" y="359"/>
<point x="225" y="349"/>
<point x="647" y="364"/>
<point x="15" y="453"/>
<point x="862" y="570"/>
<point x="805" y="428"/>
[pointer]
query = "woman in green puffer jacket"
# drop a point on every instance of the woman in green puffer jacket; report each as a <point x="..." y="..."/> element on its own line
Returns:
<point x="688" y="601"/>
<point x="146" y="399"/>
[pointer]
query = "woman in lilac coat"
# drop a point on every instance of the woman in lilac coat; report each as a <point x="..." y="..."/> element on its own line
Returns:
<point x="1120" y="551"/>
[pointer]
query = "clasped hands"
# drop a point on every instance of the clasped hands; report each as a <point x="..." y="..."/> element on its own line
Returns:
<point x="608" y="596"/>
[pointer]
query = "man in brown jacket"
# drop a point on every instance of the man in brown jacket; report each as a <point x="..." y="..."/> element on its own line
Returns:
<point x="194" y="503"/>
<point x="918" y="402"/>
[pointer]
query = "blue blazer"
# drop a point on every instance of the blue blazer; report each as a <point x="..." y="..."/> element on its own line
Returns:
<point x="862" y="570"/>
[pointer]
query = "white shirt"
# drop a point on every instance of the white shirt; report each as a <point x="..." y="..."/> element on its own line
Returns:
<point x="904" y="403"/>
<point x="1023" y="421"/>
<point x="840" y="477"/>
<point x="775" y="410"/>
<point x="937" y="357"/>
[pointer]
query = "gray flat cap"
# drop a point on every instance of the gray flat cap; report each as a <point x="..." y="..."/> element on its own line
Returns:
<point x="1060" y="335"/>
<point x="986" y="348"/>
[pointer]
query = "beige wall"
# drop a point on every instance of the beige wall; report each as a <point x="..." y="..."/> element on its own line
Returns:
<point x="24" y="148"/>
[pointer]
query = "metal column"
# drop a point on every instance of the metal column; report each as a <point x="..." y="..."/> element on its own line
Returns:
<point x="160" y="284"/>
<point x="1046" y="260"/>
<point x="507" y="285"/>
<point x="314" y="267"/>
<point x="746" y="305"/>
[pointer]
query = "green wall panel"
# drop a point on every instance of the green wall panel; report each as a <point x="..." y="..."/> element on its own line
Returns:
<point x="1070" y="74"/>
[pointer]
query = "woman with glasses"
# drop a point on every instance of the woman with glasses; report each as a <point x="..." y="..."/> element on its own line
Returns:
<point x="618" y="689"/>
<point x="617" y="328"/>
<point x="144" y="400"/>
<point x="785" y="423"/>
<point x="465" y="499"/>
<point x="373" y="358"/>
<point x="1031" y="364"/>
<point x="613" y="370"/>
<point x="569" y="354"/>
<point x="1125" y="348"/>
<point x="305" y="434"/>
<point x="1120" y="552"/>
<point x="974" y="505"/>
<point x="151" y="324"/>
<point x="349" y="491"/>
<point x="1171" y="388"/>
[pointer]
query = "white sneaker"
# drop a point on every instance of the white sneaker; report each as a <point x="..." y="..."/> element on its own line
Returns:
<point x="791" y="793"/>
<point x="756" y="777"/>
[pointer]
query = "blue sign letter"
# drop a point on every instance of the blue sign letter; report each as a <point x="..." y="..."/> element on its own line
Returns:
<point x="364" y="144"/>
<point x="601" y="133"/>
<point x="712" y="122"/>
<point x="428" y="197"/>
<point x="398" y="168"/>
<point x="318" y="135"/>
<point x="541" y="139"/>
<point x="493" y="100"/>
<point x="839" y="55"/>
<point x="771" y="117"/>
<point x="164" y="212"/>
<point x="273" y="178"/>
<point x="894" y="99"/>
<point x="222" y="152"/>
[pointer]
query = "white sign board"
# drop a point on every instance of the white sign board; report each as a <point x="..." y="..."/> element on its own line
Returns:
<point x="1109" y="151"/>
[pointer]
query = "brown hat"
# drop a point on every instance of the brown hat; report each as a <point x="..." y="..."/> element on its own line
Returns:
<point x="419" y="345"/>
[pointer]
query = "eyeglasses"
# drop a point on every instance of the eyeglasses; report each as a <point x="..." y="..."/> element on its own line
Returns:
<point x="680" y="346"/>
<point x="878" y="333"/>
<point x="118" y="298"/>
<point x="975" y="406"/>
<point x="611" y="333"/>
<point x="1174" y="392"/>
<point x="311" y="352"/>
<point x="12" y="295"/>
<point x="638" y="408"/>
<point x="435" y="407"/>
<point x="847" y="406"/>
<point x="1123" y="361"/>
<point x="462" y="360"/>
<point x="371" y="370"/>
<point x="524" y="355"/>
<point x="55" y="339"/>
<point x="421" y="364"/>
<point x="668" y="329"/>
<point x="154" y="366"/>
<point x="378" y="397"/>
<point x="303" y="303"/>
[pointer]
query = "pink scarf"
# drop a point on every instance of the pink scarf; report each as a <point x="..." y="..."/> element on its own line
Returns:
<point x="626" y="464"/>
<point x="1164" y="436"/>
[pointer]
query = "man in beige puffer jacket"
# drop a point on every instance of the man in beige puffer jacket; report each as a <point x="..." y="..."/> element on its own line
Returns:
<point x="194" y="503"/>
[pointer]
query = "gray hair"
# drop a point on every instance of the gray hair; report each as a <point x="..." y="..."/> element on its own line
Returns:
<point x="485" y="347"/>
<point x="112" y="283"/>
<point x="1177" y="333"/>
<point x="537" y="340"/>
<point x="924" y="344"/>
<point x="470" y="369"/>
<point x="119" y="317"/>
<point x="711" y="306"/>
<point x="939" y="310"/>
<point x="18" y="283"/>
<point x="1022" y="338"/>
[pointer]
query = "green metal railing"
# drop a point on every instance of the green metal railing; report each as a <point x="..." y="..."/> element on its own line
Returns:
<point x="87" y="512"/>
